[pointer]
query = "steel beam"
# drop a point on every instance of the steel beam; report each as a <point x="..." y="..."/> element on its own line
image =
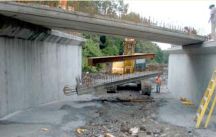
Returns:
<point x="96" y="60"/>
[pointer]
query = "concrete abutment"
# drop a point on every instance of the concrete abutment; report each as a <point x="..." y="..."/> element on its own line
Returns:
<point x="35" y="65"/>
<point x="190" y="70"/>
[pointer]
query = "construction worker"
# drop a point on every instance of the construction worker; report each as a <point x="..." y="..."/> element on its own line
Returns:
<point x="212" y="19"/>
<point x="158" y="83"/>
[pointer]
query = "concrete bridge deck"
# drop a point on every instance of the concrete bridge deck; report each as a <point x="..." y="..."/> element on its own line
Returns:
<point x="55" y="18"/>
<point x="110" y="81"/>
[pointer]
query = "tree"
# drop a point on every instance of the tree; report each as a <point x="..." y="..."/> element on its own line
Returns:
<point x="159" y="56"/>
<point x="149" y="47"/>
<point x="132" y="16"/>
<point x="85" y="6"/>
<point x="111" y="8"/>
<point x="166" y="57"/>
<point x="90" y="49"/>
<point x="118" y="42"/>
<point x="113" y="46"/>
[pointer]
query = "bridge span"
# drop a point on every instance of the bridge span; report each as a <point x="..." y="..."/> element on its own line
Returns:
<point x="55" y="18"/>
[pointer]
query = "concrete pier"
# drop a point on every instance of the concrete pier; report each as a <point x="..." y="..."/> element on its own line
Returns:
<point x="190" y="70"/>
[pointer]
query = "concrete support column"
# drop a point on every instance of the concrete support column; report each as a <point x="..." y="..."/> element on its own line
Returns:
<point x="190" y="70"/>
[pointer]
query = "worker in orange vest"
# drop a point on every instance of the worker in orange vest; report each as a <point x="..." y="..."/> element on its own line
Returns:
<point x="158" y="83"/>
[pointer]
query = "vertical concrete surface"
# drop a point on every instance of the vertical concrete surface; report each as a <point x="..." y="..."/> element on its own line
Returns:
<point x="190" y="70"/>
<point x="33" y="72"/>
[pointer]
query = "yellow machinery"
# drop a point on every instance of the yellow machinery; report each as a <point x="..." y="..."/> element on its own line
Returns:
<point x="126" y="66"/>
<point x="122" y="64"/>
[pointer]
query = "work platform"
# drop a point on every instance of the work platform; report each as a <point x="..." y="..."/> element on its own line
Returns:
<point x="88" y="85"/>
<point x="97" y="60"/>
<point x="56" y="18"/>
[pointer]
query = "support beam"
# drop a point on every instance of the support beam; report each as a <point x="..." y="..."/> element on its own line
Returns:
<point x="14" y="28"/>
<point x="96" y="60"/>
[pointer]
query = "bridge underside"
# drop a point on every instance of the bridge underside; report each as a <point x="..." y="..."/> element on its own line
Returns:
<point x="55" y="18"/>
<point x="35" y="64"/>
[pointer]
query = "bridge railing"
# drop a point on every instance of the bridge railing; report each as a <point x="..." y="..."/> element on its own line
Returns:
<point x="89" y="81"/>
<point x="108" y="80"/>
<point x="149" y="21"/>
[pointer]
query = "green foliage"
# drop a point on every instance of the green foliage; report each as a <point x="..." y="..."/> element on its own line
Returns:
<point x="166" y="57"/>
<point x="85" y="6"/>
<point x="118" y="42"/>
<point x="90" y="49"/>
<point x="149" y="47"/>
<point x="111" y="8"/>
<point x="94" y="37"/>
<point x="159" y="56"/>
<point x="145" y="47"/>
<point x="132" y="17"/>
<point x="110" y="50"/>
<point x="111" y="47"/>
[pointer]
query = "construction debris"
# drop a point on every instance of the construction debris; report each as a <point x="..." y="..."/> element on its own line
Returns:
<point x="118" y="99"/>
<point x="108" y="135"/>
<point x="128" y="119"/>
<point x="134" y="131"/>
<point x="80" y="130"/>
<point x="122" y="98"/>
<point x="44" y="129"/>
<point x="186" y="101"/>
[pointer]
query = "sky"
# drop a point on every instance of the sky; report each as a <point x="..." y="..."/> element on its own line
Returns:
<point x="193" y="13"/>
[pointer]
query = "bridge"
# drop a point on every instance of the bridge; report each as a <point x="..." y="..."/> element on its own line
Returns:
<point x="55" y="18"/>
<point x="36" y="61"/>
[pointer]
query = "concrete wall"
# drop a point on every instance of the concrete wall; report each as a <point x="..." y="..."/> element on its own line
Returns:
<point x="190" y="70"/>
<point x="33" y="73"/>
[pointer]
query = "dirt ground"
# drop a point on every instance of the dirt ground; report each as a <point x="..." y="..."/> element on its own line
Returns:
<point x="119" y="118"/>
<point x="123" y="114"/>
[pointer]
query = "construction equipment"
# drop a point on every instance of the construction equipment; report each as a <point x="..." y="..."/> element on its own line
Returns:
<point x="123" y="64"/>
<point x="126" y="66"/>
<point x="207" y="98"/>
<point x="120" y="58"/>
<point x="109" y="82"/>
